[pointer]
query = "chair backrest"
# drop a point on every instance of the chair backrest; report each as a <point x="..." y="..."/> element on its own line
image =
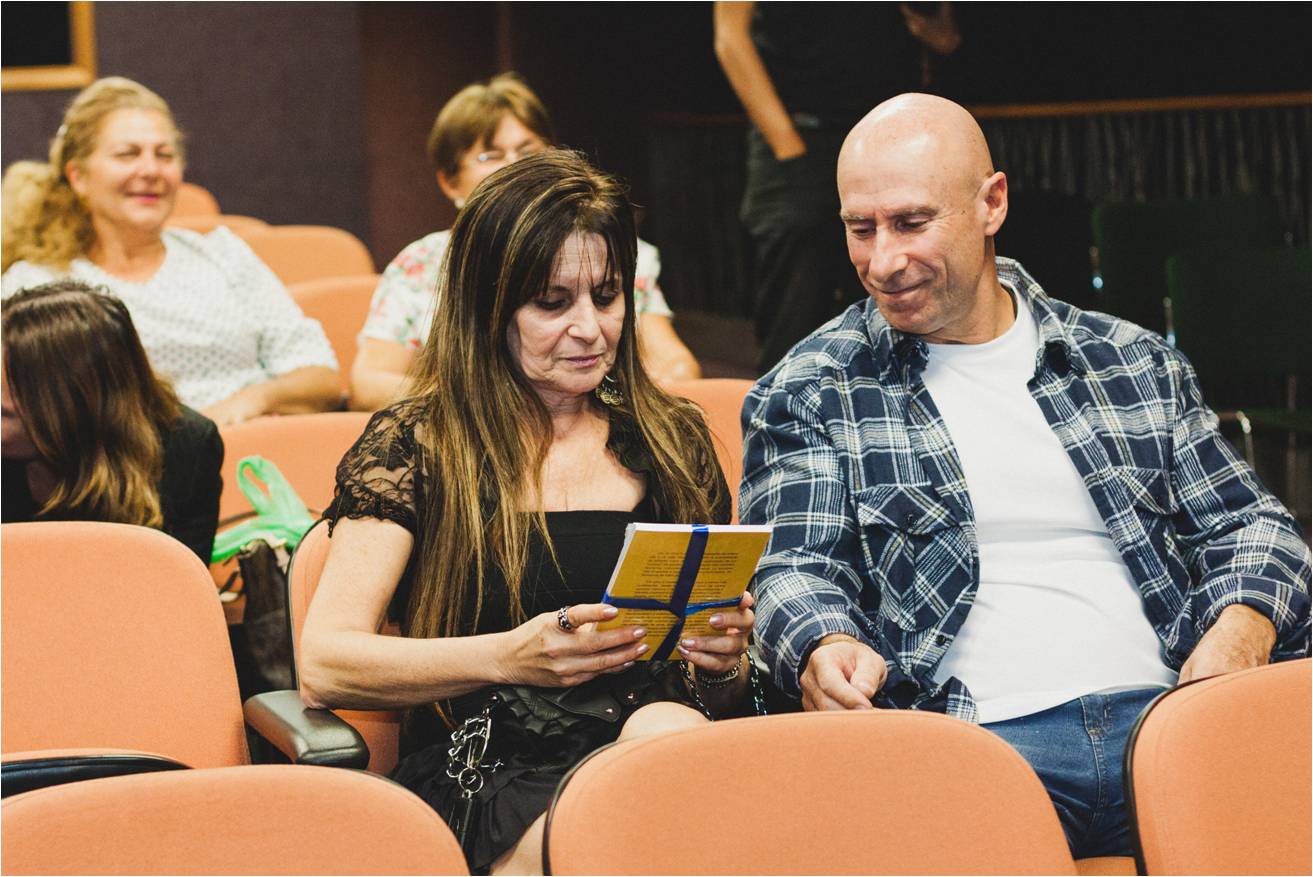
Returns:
<point x="876" y="792"/>
<point x="194" y="200"/>
<point x="204" y="223"/>
<point x="380" y="728"/>
<point x="306" y="448"/>
<point x="722" y="399"/>
<point x="340" y="304"/>
<point x="1243" y="312"/>
<point x="113" y="637"/>
<point x="1135" y="239"/>
<point x="1218" y="775"/>
<point x="261" y="819"/>
<point x="297" y="253"/>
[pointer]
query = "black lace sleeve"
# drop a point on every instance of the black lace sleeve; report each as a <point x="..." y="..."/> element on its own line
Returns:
<point x="379" y="477"/>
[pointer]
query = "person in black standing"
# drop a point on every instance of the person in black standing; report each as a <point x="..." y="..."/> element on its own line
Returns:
<point x="806" y="72"/>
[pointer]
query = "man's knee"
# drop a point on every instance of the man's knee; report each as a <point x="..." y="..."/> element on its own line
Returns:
<point x="658" y="718"/>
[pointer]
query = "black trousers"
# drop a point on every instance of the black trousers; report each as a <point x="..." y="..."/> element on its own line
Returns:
<point x="801" y="273"/>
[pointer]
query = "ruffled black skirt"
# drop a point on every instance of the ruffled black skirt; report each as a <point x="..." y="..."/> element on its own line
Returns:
<point x="538" y="735"/>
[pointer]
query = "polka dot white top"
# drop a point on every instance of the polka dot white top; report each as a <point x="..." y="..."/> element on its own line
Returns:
<point x="403" y="303"/>
<point x="214" y="319"/>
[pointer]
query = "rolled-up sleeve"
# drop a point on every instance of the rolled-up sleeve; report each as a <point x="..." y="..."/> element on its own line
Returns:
<point x="1240" y="543"/>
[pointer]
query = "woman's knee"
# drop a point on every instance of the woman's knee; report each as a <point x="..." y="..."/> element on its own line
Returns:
<point x="657" y="718"/>
<point x="526" y="857"/>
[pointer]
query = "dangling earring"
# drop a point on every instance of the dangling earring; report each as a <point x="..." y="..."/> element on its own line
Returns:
<point x="609" y="392"/>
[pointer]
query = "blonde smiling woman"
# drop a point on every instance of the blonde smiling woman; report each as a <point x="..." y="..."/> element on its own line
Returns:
<point x="213" y="318"/>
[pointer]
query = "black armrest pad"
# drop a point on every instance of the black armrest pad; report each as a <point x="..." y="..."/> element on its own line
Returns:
<point x="306" y="736"/>
<point x="25" y="775"/>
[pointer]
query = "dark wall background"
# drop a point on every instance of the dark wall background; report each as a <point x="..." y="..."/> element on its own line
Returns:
<point x="1043" y="51"/>
<point x="416" y="57"/>
<point x="269" y="95"/>
<point x="602" y="70"/>
<point x="317" y="112"/>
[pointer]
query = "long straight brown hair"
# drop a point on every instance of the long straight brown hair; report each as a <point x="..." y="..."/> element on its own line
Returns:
<point x="89" y="401"/>
<point x="484" y="429"/>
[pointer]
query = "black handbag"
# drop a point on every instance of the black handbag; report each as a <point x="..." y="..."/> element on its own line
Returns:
<point x="262" y="643"/>
<point x="573" y="720"/>
<point x="525" y="717"/>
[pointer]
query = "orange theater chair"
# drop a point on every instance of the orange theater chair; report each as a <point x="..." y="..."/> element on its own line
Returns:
<point x="306" y="448"/>
<point x="194" y="200"/>
<point x="340" y="304"/>
<point x="876" y="792"/>
<point x="1218" y="775"/>
<point x="115" y="658"/>
<point x="380" y="729"/>
<point x="114" y="637"/>
<point x="266" y="819"/>
<point x="298" y="253"/>
<point x="722" y="400"/>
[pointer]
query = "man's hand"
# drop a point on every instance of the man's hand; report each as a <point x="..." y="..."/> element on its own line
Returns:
<point x="842" y="674"/>
<point x="1240" y="638"/>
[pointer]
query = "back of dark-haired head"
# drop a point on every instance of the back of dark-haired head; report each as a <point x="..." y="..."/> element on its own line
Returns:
<point x="88" y="399"/>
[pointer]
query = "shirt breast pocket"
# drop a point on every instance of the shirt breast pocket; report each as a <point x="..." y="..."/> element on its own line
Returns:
<point x="914" y="545"/>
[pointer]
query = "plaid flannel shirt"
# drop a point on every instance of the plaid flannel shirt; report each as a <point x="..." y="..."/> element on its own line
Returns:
<point x="846" y="454"/>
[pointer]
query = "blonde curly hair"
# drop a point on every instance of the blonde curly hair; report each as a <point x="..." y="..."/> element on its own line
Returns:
<point x="45" y="222"/>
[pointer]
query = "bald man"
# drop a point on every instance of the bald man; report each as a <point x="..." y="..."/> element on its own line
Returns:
<point x="992" y="504"/>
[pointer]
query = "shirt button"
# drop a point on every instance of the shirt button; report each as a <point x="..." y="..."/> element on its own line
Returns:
<point x="910" y="519"/>
<point x="940" y="639"/>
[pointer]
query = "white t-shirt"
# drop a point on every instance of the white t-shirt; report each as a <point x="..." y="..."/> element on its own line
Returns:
<point x="213" y="319"/>
<point x="402" y="307"/>
<point x="1057" y="614"/>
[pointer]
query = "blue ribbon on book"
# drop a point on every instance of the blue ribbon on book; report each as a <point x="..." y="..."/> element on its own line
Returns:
<point x="678" y="605"/>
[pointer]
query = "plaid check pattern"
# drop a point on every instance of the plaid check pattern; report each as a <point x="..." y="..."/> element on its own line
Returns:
<point x="846" y="454"/>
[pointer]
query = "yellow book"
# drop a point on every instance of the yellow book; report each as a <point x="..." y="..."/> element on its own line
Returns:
<point x="671" y="578"/>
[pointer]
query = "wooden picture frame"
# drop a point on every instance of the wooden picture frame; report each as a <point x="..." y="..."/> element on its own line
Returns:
<point x="77" y="74"/>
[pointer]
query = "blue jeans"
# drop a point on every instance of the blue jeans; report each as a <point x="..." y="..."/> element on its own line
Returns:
<point x="1077" y="749"/>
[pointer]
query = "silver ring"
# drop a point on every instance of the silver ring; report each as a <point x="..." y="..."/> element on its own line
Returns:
<point x="563" y="618"/>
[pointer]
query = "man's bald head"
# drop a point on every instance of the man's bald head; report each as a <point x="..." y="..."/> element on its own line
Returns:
<point x="937" y="133"/>
<point x="921" y="203"/>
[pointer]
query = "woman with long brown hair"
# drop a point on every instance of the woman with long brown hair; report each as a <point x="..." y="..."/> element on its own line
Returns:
<point x="213" y="318"/>
<point x="484" y="514"/>
<point x="89" y="431"/>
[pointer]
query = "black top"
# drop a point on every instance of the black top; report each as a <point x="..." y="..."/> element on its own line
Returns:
<point x="384" y="476"/>
<point x="189" y="488"/>
<point x="836" y="60"/>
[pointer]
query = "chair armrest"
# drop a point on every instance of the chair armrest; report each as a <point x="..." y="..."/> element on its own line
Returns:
<point x="305" y="735"/>
<point x="27" y="771"/>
